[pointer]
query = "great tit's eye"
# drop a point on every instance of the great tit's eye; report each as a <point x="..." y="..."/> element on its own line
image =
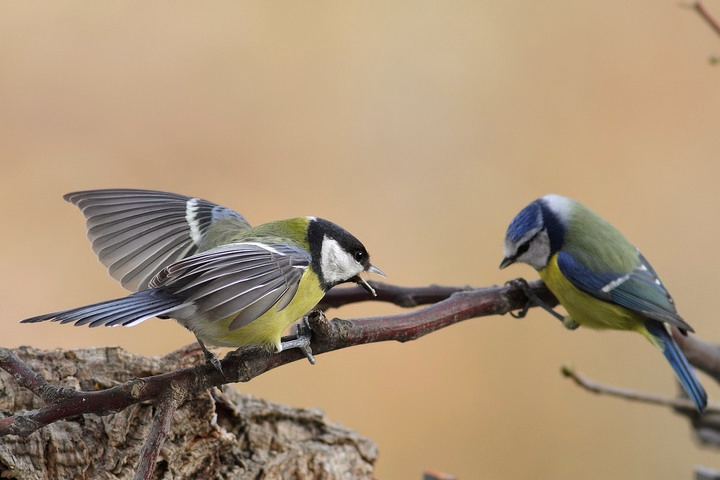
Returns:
<point x="359" y="256"/>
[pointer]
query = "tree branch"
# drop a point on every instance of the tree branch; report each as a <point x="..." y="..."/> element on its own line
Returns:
<point x="701" y="354"/>
<point x="244" y="364"/>
<point x="684" y="405"/>
<point x="705" y="15"/>
<point x="710" y="20"/>
<point x="401" y="296"/>
<point x="29" y="379"/>
<point x="448" y="305"/>
<point x="704" y="355"/>
<point x="166" y="407"/>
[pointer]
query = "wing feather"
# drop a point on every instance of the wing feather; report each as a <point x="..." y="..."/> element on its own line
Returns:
<point x="639" y="290"/>
<point x="137" y="233"/>
<point x="289" y="293"/>
<point x="243" y="280"/>
<point x="214" y="293"/>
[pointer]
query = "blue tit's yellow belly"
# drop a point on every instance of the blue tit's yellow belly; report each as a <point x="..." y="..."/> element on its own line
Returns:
<point x="266" y="330"/>
<point x="585" y="309"/>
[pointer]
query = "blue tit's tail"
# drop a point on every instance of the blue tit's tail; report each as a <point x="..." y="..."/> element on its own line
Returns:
<point x="679" y="363"/>
<point x="126" y="311"/>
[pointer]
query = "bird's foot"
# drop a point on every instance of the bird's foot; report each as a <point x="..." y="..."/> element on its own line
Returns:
<point x="210" y="357"/>
<point x="300" y="339"/>
<point x="523" y="285"/>
<point x="533" y="299"/>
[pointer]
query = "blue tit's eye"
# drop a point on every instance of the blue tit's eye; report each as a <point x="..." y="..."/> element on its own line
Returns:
<point x="523" y="248"/>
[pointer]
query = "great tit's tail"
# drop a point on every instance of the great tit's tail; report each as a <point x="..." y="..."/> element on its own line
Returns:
<point x="679" y="363"/>
<point x="126" y="311"/>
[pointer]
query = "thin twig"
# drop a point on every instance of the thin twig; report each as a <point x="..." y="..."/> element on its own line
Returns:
<point x="683" y="404"/>
<point x="434" y="475"/>
<point x="714" y="24"/>
<point x="29" y="379"/>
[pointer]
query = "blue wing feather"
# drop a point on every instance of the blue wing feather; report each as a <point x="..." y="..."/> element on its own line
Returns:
<point x="639" y="290"/>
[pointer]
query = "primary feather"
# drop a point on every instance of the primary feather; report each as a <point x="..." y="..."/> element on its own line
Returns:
<point x="136" y="233"/>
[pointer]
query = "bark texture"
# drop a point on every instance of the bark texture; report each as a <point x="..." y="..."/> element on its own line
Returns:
<point x="214" y="435"/>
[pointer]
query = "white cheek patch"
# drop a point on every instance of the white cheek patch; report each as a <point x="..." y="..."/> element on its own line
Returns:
<point x="538" y="255"/>
<point x="337" y="265"/>
<point x="509" y="249"/>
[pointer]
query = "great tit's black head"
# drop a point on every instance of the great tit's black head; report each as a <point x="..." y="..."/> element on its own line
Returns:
<point x="537" y="232"/>
<point x="337" y="256"/>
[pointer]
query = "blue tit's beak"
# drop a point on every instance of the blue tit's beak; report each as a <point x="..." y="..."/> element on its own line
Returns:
<point x="506" y="261"/>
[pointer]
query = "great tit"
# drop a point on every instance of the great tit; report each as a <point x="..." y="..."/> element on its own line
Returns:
<point x="600" y="278"/>
<point x="203" y="265"/>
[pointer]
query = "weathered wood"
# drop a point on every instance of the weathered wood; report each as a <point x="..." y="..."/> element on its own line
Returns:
<point x="212" y="434"/>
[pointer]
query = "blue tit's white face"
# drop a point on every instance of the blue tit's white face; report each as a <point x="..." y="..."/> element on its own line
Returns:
<point x="528" y="238"/>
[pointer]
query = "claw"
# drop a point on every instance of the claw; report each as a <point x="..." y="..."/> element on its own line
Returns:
<point x="210" y="357"/>
<point x="533" y="299"/>
<point x="303" y="334"/>
<point x="522" y="284"/>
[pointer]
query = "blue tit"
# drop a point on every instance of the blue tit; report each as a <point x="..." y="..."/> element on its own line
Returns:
<point x="600" y="278"/>
<point x="203" y="265"/>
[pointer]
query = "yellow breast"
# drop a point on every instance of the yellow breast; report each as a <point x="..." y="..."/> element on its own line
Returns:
<point x="267" y="329"/>
<point x="585" y="309"/>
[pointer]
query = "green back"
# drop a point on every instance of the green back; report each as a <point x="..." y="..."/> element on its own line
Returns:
<point x="226" y="231"/>
<point x="596" y="244"/>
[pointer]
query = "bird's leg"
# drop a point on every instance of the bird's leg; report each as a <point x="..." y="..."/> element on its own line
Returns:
<point x="533" y="299"/>
<point x="301" y="340"/>
<point x="570" y="323"/>
<point x="210" y="357"/>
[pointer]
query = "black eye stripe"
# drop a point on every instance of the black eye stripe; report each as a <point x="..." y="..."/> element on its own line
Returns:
<point x="522" y="249"/>
<point x="525" y="246"/>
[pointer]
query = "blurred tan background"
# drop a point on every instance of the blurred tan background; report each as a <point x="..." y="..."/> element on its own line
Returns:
<point x="422" y="127"/>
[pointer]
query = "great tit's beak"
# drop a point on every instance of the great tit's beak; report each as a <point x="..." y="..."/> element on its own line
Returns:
<point x="361" y="281"/>
<point x="373" y="269"/>
<point x="506" y="261"/>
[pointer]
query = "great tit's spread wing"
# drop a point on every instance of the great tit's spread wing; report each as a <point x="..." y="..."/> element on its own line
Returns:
<point x="639" y="290"/>
<point x="243" y="280"/>
<point x="136" y="233"/>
